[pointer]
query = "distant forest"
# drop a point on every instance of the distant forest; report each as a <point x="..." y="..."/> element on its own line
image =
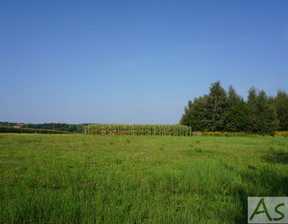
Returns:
<point x="51" y="126"/>
<point x="227" y="111"/>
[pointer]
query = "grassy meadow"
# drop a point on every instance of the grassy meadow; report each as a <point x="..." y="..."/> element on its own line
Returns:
<point x="137" y="179"/>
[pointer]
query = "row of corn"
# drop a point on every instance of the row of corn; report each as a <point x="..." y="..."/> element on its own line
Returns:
<point x="124" y="129"/>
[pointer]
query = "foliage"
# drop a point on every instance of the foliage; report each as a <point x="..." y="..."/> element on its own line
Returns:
<point x="137" y="179"/>
<point x="281" y="134"/>
<point x="281" y="105"/>
<point x="122" y="129"/>
<point x="216" y="105"/>
<point x="231" y="134"/>
<point x="236" y="118"/>
<point x="219" y="111"/>
<point x="9" y="124"/>
<point x="261" y="116"/>
<point x="235" y="115"/>
<point x="4" y="129"/>
<point x="57" y="126"/>
<point x="196" y="114"/>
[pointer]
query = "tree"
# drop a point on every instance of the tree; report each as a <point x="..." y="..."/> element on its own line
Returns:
<point x="233" y="98"/>
<point x="217" y="103"/>
<point x="281" y="105"/>
<point x="29" y="125"/>
<point x="235" y="116"/>
<point x="195" y="114"/>
<point x="219" y="111"/>
<point x="186" y="117"/>
<point x="261" y="116"/>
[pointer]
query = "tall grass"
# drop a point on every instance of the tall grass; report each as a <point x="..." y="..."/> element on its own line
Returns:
<point x="120" y="129"/>
<point x="137" y="179"/>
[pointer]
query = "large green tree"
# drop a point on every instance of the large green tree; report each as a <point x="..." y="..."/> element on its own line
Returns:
<point x="219" y="111"/>
<point x="281" y="105"/>
<point x="195" y="114"/>
<point x="217" y="104"/>
<point x="262" y="115"/>
<point x="235" y="116"/>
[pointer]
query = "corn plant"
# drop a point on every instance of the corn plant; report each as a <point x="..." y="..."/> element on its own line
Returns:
<point x="124" y="129"/>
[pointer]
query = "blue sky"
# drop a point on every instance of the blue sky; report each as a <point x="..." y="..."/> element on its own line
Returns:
<point x="134" y="61"/>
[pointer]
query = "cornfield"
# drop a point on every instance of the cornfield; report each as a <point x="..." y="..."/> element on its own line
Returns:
<point x="123" y="129"/>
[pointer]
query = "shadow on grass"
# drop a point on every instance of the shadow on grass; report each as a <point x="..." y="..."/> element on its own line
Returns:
<point x="260" y="183"/>
<point x="243" y="197"/>
<point x="277" y="157"/>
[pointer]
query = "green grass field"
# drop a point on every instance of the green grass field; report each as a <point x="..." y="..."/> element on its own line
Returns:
<point x="137" y="179"/>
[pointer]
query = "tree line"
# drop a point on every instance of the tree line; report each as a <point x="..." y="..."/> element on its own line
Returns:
<point x="9" y="124"/>
<point x="227" y="111"/>
<point x="57" y="126"/>
<point x="79" y="128"/>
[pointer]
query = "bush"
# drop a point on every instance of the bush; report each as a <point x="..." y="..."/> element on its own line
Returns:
<point x="281" y="134"/>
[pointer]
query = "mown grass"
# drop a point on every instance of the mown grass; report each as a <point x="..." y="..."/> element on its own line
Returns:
<point x="137" y="179"/>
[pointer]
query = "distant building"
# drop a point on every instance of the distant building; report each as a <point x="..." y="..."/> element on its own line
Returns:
<point x="18" y="126"/>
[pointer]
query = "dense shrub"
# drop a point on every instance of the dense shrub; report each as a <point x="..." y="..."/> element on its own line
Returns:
<point x="281" y="134"/>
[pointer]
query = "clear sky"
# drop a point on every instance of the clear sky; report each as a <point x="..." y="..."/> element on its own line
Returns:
<point x="136" y="61"/>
